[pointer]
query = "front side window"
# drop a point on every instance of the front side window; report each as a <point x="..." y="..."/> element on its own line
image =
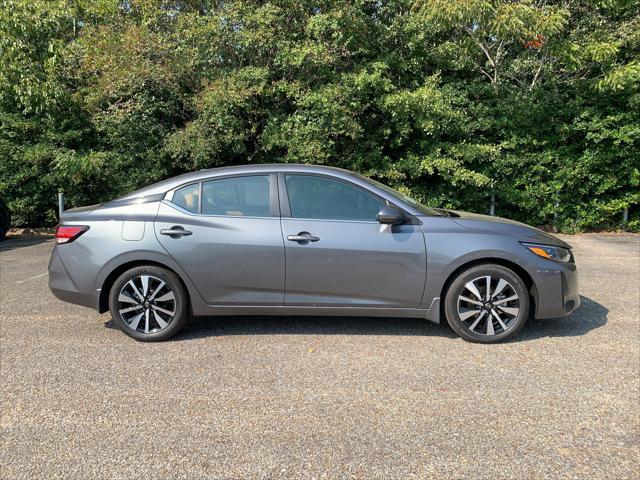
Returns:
<point x="238" y="196"/>
<point x="322" y="198"/>
<point x="188" y="197"/>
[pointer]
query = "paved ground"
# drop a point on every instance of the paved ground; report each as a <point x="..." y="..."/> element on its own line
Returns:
<point x="317" y="397"/>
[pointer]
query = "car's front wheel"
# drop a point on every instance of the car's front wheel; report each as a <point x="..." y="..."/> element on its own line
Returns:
<point x="487" y="303"/>
<point x="149" y="303"/>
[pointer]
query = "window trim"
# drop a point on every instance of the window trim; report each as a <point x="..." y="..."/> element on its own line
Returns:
<point x="285" y="209"/>
<point x="274" y="204"/>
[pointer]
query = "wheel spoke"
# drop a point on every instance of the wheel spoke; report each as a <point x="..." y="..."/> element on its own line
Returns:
<point x="159" y="319"/>
<point x="501" y="284"/>
<point x="126" y="298"/>
<point x="145" y="284"/>
<point x="488" y="292"/>
<point x="473" y="289"/>
<point x="510" y="310"/>
<point x="490" y="330"/>
<point x="135" y="289"/>
<point x="146" y="321"/>
<point x="155" y="307"/>
<point x="136" y="321"/>
<point x="166" y="297"/>
<point x="469" y="300"/>
<point x="156" y="291"/>
<point x="505" y="300"/>
<point x="130" y="309"/>
<point x="468" y="314"/>
<point x="475" y="323"/>
<point x="495" y="314"/>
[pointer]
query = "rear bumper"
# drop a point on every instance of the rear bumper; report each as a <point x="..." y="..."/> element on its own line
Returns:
<point x="557" y="291"/>
<point x="62" y="285"/>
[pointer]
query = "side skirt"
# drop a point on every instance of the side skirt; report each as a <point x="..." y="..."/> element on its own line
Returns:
<point x="224" y="310"/>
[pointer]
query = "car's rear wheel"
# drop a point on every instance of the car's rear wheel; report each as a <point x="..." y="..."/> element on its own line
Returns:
<point x="149" y="303"/>
<point x="487" y="303"/>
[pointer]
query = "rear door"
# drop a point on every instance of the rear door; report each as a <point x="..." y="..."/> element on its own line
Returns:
<point x="225" y="233"/>
<point x="337" y="254"/>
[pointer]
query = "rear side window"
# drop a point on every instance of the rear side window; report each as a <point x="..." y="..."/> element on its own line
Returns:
<point x="238" y="196"/>
<point x="322" y="198"/>
<point x="188" y="197"/>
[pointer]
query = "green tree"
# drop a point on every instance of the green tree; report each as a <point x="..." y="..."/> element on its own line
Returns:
<point x="534" y="102"/>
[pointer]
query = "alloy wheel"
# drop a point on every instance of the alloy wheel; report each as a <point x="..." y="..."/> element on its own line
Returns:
<point x="146" y="304"/>
<point x="488" y="305"/>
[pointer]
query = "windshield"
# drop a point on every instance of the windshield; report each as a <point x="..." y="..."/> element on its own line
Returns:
<point x="402" y="197"/>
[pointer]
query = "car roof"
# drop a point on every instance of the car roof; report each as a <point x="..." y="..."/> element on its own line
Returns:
<point x="157" y="190"/>
<point x="171" y="183"/>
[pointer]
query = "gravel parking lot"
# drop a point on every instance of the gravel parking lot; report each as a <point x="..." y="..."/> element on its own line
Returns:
<point x="321" y="397"/>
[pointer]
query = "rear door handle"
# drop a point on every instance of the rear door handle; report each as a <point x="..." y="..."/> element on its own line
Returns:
<point x="175" y="232"/>
<point x="303" y="238"/>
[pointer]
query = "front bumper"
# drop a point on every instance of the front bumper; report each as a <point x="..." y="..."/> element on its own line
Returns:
<point x="556" y="290"/>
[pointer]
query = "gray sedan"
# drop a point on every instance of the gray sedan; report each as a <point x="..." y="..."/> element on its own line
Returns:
<point x="304" y="240"/>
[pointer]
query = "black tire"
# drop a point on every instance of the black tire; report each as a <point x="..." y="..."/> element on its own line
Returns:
<point x="150" y="330"/>
<point x="512" y="314"/>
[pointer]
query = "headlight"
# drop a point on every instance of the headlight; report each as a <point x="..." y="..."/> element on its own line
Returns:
<point x="558" y="254"/>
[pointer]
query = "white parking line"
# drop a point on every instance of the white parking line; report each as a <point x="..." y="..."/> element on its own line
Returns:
<point x="33" y="278"/>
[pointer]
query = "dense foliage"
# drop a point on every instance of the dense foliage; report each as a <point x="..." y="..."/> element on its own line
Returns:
<point x="535" y="102"/>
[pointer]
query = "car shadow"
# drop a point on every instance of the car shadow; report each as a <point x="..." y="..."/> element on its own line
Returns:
<point x="589" y="316"/>
<point x="200" y="327"/>
<point x="12" y="243"/>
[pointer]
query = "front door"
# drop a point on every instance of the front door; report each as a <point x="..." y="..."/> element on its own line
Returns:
<point x="225" y="233"/>
<point x="337" y="254"/>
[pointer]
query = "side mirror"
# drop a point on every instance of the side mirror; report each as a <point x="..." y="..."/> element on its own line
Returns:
<point x="390" y="215"/>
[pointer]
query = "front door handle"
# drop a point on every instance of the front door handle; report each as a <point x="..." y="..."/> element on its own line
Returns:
<point x="175" y="232"/>
<point x="303" y="238"/>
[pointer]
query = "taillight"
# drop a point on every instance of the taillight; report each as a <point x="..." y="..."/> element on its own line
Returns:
<point x="68" y="233"/>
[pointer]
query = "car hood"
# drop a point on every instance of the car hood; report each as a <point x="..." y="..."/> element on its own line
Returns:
<point x="504" y="226"/>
